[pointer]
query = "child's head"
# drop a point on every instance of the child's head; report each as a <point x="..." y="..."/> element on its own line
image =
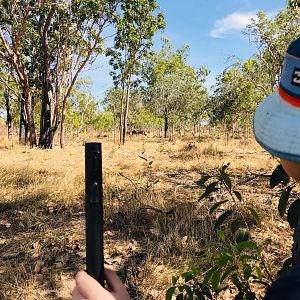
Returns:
<point x="276" y="122"/>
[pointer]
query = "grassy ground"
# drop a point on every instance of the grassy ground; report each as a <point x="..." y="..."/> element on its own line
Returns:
<point x="152" y="229"/>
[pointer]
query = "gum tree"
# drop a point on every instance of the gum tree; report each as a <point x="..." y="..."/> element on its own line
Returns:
<point x="272" y="35"/>
<point x="46" y="45"/>
<point x="14" y="24"/>
<point x="72" y="36"/>
<point x="173" y="87"/>
<point x="136" y="27"/>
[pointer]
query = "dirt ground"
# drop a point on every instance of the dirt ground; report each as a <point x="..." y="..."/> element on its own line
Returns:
<point x="149" y="185"/>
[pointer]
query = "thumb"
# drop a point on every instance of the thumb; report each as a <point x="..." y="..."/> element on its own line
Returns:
<point x="89" y="288"/>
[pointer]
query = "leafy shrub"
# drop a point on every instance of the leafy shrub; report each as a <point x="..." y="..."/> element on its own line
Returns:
<point x="234" y="259"/>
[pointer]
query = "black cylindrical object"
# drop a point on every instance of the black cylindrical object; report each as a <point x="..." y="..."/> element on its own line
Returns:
<point x="94" y="211"/>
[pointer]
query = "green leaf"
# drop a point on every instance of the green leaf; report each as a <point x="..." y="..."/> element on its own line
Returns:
<point x="216" y="205"/>
<point x="293" y="213"/>
<point x="215" y="279"/>
<point x="206" y="292"/>
<point x="224" y="167"/>
<point x="238" y="195"/>
<point x="222" y="219"/>
<point x="224" y="259"/>
<point x="237" y="282"/>
<point x="195" y="271"/>
<point x="208" y="276"/>
<point x="180" y="297"/>
<point x="226" y="180"/>
<point x="170" y="292"/>
<point x="203" y="179"/>
<point x="187" y="276"/>
<point x="259" y="273"/>
<point x="255" y="215"/>
<point x="227" y="272"/>
<point x="199" y="295"/>
<point x="283" y="201"/>
<point x="175" y="279"/>
<point x="247" y="272"/>
<point x="188" y="291"/>
<point x="277" y="176"/>
<point x="209" y="189"/>
<point x="221" y="235"/>
<point x="242" y="235"/>
<point x="235" y="225"/>
<point x="245" y="245"/>
<point x="248" y="257"/>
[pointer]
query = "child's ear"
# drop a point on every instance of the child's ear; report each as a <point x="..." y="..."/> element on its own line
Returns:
<point x="292" y="168"/>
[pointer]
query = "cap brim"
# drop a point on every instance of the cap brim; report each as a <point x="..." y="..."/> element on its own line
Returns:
<point x="276" y="127"/>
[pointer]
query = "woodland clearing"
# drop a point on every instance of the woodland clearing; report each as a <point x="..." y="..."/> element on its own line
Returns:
<point x="152" y="229"/>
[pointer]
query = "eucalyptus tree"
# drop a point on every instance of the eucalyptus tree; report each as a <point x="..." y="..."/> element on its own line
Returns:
<point x="239" y="89"/>
<point x="172" y="85"/>
<point x="135" y="28"/>
<point x="272" y="35"/>
<point x="236" y="96"/>
<point x="14" y="23"/>
<point x="72" y="35"/>
<point x="293" y="4"/>
<point x="7" y="94"/>
<point x="161" y="74"/>
<point x="82" y="107"/>
<point x="47" y="44"/>
<point x="111" y="103"/>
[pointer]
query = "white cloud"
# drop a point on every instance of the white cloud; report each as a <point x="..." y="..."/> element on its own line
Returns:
<point x="231" y="24"/>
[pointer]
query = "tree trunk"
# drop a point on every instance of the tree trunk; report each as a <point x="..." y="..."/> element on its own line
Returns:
<point x="23" y="130"/>
<point x="62" y="124"/>
<point x="172" y="130"/>
<point x="126" y="111"/>
<point x="8" y="114"/>
<point x="166" y="127"/>
<point x="121" y="113"/>
<point x="29" y="107"/>
<point x="115" y="121"/>
<point x="46" y="130"/>
<point x="48" y="123"/>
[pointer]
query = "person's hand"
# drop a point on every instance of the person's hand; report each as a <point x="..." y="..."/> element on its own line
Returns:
<point x="87" y="288"/>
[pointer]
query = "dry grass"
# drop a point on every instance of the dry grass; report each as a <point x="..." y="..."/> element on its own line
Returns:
<point x="154" y="225"/>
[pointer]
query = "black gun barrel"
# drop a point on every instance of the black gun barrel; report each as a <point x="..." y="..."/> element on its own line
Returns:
<point x="94" y="211"/>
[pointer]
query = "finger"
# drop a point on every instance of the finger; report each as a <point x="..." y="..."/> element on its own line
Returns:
<point x="76" y="295"/>
<point x="88" y="287"/>
<point x="113" y="281"/>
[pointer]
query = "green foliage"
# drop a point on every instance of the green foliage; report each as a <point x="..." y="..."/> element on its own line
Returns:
<point x="82" y="108"/>
<point x="103" y="120"/>
<point x="174" y="89"/>
<point x="272" y="35"/>
<point x="242" y="86"/>
<point x="279" y="178"/>
<point x="135" y="28"/>
<point x="235" y="259"/>
<point x="235" y="96"/>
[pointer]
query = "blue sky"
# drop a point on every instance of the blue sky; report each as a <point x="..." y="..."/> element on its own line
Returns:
<point x="212" y="28"/>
